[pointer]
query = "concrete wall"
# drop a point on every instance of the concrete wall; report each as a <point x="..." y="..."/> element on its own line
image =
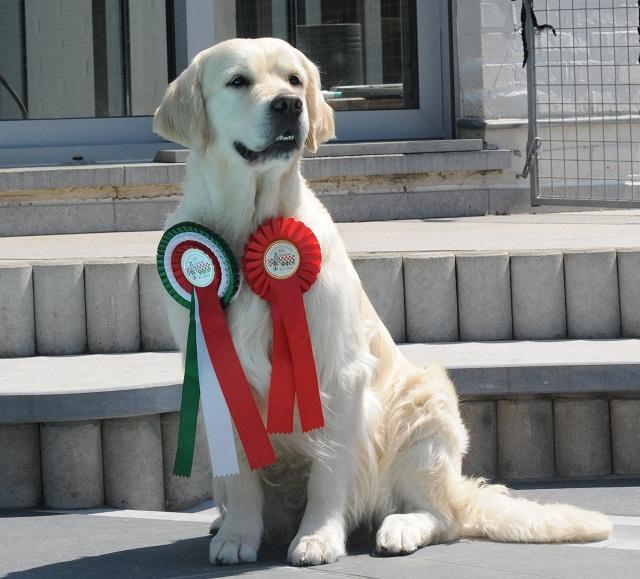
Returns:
<point x="492" y="82"/>
<point x="492" y="85"/>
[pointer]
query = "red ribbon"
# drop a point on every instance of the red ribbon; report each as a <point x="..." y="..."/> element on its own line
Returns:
<point x="224" y="358"/>
<point x="272" y="277"/>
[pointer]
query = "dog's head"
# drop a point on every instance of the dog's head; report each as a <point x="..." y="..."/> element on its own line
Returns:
<point x="257" y="99"/>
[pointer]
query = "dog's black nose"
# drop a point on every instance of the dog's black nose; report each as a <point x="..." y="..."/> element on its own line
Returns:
<point x="287" y="104"/>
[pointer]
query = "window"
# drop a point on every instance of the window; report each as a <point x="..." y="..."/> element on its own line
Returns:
<point x="80" y="79"/>
<point x="80" y="58"/>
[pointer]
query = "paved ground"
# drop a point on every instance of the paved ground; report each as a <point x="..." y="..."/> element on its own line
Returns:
<point x="119" y="544"/>
<point x="559" y="231"/>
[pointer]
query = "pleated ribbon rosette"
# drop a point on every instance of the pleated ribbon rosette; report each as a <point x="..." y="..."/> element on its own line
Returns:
<point x="198" y="270"/>
<point x="281" y="261"/>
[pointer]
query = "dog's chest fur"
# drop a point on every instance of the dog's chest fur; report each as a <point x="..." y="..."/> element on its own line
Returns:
<point x="234" y="211"/>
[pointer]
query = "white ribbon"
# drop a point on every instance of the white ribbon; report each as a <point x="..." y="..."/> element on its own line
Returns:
<point x="217" y="420"/>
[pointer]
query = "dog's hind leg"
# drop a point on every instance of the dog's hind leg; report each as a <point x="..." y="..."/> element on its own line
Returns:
<point x="239" y="536"/>
<point x="424" y="443"/>
<point x="420" y="514"/>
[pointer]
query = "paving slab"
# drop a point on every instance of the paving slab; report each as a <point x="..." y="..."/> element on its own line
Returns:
<point x="108" y="543"/>
<point x="616" y="229"/>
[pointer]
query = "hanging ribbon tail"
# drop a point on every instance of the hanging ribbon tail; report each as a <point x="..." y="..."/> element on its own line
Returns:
<point x="189" y="404"/>
<point x="217" y="420"/>
<point x="235" y="388"/>
<point x="282" y="388"/>
<point x="288" y="297"/>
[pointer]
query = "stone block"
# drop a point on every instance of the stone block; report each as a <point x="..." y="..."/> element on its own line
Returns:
<point x="132" y="460"/>
<point x="410" y="205"/>
<point x="625" y="436"/>
<point x="113" y="307"/>
<point x="155" y="334"/>
<point x="506" y="201"/>
<point x="629" y="280"/>
<point x="484" y="296"/>
<point x="58" y="291"/>
<point x="592" y="301"/>
<point x="57" y="217"/>
<point x="71" y="458"/>
<point x="17" y="320"/>
<point x="430" y="297"/>
<point x="181" y="492"/>
<point x="582" y="441"/>
<point x="137" y="174"/>
<point x="482" y="457"/>
<point x="20" y="479"/>
<point x="87" y="177"/>
<point x="382" y="280"/>
<point x="143" y="214"/>
<point x="537" y="296"/>
<point x="525" y="439"/>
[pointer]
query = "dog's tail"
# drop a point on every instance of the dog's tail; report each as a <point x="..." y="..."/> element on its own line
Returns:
<point x="488" y="510"/>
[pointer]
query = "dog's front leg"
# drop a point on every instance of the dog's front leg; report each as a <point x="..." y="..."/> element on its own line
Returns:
<point x="322" y="534"/>
<point x="239" y="537"/>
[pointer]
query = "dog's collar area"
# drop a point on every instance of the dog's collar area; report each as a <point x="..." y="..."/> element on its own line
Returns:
<point x="284" y="144"/>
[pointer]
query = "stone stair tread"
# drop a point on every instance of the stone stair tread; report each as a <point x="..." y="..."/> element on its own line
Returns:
<point x="63" y="388"/>
<point x="588" y="230"/>
<point x="520" y="353"/>
<point x="88" y="373"/>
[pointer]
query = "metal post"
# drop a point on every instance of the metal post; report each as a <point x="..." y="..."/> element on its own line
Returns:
<point x="532" y="146"/>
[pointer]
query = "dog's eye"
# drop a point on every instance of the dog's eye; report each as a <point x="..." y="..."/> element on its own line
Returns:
<point x="294" y="79"/>
<point x="238" y="81"/>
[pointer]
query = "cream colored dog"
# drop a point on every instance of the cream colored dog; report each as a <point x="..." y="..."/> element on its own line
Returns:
<point x="390" y="453"/>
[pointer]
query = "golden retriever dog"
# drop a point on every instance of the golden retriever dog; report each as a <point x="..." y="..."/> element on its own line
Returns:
<point x="390" y="453"/>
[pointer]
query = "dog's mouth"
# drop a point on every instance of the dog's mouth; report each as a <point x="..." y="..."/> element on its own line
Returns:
<point x="283" y="145"/>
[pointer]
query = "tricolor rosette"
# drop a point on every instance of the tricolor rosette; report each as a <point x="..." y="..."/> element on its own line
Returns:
<point x="281" y="261"/>
<point x="198" y="270"/>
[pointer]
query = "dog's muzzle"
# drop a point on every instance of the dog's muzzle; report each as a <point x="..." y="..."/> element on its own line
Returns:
<point x="284" y="117"/>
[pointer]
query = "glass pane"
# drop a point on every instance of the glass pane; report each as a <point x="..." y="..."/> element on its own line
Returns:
<point x="81" y="58"/>
<point x="365" y="49"/>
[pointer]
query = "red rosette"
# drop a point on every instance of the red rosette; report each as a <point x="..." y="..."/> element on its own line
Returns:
<point x="281" y="261"/>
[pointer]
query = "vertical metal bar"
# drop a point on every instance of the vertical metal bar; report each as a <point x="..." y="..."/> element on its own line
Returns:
<point x="602" y="121"/>
<point x="22" y="17"/>
<point x="532" y="103"/>
<point x="632" y="62"/>
<point x="126" y="58"/>
<point x="615" y="105"/>
<point x="100" y="76"/>
<point x="172" y="72"/>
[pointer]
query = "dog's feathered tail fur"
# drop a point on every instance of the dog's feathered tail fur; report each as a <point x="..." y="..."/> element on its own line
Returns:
<point x="490" y="511"/>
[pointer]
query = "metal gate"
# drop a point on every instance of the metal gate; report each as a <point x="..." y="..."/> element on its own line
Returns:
<point x="584" y="102"/>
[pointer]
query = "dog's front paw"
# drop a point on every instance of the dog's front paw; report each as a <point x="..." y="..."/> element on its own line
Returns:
<point x="315" y="550"/>
<point x="398" y="535"/>
<point x="231" y="550"/>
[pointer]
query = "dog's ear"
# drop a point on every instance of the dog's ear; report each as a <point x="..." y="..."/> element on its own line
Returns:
<point x="181" y="117"/>
<point x="321" y="124"/>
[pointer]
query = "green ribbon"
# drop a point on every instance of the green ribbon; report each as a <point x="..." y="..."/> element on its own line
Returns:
<point x="190" y="401"/>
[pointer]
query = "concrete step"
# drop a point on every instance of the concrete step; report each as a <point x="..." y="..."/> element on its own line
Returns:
<point x="80" y="431"/>
<point x="356" y="181"/>
<point x="549" y="276"/>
